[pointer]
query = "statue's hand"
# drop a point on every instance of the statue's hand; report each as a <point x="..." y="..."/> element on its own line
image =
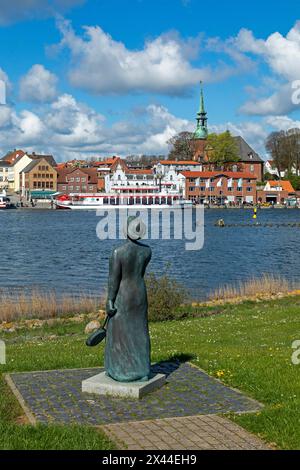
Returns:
<point x="110" y="309"/>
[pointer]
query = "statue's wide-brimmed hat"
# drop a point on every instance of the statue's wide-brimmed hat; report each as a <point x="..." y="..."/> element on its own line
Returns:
<point x="135" y="229"/>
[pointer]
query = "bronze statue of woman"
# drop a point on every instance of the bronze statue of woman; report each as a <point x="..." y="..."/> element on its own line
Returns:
<point x="127" y="348"/>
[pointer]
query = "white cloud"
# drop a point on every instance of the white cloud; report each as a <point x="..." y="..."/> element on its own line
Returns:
<point x="282" y="55"/>
<point x="38" y="85"/>
<point x="8" y="85"/>
<point x="70" y="129"/>
<point x="282" y="123"/>
<point x="102" y="65"/>
<point x="5" y="117"/>
<point x="279" y="102"/>
<point x="17" y="10"/>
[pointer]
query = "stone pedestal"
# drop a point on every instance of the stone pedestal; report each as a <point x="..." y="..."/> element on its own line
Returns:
<point x="101" y="384"/>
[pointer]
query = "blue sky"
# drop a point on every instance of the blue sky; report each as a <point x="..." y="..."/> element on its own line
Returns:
<point x="103" y="77"/>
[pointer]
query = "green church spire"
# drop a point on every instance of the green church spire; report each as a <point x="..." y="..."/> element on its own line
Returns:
<point x="201" y="130"/>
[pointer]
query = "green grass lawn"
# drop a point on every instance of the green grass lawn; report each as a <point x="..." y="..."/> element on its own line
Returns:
<point x="248" y="346"/>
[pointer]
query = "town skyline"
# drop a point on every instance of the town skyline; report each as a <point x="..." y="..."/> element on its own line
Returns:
<point x="79" y="83"/>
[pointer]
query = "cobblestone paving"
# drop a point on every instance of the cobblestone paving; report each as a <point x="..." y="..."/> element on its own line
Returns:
<point x="209" y="432"/>
<point x="56" y="396"/>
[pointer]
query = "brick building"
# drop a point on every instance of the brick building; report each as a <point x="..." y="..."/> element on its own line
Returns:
<point x="217" y="187"/>
<point x="77" y="180"/>
<point x="276" y="192"/>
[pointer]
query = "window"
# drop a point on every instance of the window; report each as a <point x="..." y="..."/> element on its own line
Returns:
<point x="252" y="168"/>
<point x="239" y="189"/>
<point x="202" y="188"/>
<point x="77" y="180"/>
<point x="229" y="189"/>
<point x="51" y="184"/>
<point x="83" y="180"/>
<point x="249" y="189"/>
<point x="192" y="188"/>
<point x="71" y="180"/>
<point x="71" y="188"/>
<point x="91" y="188"/>
<point x="63" y="187"/>
<point x="77" y="188"/>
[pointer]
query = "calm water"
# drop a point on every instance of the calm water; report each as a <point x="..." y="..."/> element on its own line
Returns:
<point x="60" y="250"/>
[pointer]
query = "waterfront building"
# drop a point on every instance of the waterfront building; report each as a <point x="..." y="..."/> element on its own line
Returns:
<point x="40" y="175"/>
<point x="276" y="192"/>
<point x="17" y="161"/>
<point x="77" y="180"/>
<point x="124" y="180"/>
<point x="6" y="176"/>
<point x="220" y="187"/>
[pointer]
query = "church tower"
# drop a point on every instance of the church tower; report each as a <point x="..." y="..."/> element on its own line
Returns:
<point x="201" y="132"/>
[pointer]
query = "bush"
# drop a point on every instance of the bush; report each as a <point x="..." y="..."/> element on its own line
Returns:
<point x="165" y="295"/>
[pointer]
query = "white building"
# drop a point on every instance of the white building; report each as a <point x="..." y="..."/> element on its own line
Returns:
<point x="144" y="181"/>
<point x="269" y="167"/>
<point x="6" y="176"/>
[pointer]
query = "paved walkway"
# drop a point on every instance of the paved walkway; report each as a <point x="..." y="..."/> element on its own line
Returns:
<point x="202" y="432"/>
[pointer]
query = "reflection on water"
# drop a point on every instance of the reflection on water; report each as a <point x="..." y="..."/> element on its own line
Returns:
<point x="60" y="250"/>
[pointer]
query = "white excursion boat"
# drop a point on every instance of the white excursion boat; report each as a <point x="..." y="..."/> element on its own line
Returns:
<point x="121" y="201"/>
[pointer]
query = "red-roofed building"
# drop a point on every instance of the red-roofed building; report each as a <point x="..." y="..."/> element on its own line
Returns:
<point x="77" y="180"/>
<point x="217" y="187"/>
<point x="13" y="156"/>
<point x="276" y="192"/>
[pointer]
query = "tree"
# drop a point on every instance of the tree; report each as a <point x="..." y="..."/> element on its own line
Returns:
<point x="182" y="146"/>
<point x="223" y="148"/>
<point x="293" y="150"/>
<point x="284" y="148"/>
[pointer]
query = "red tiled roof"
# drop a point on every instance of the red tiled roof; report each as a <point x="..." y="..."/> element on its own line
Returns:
<point x="13" y="156"/>
<point x="107" y="161"/>
<point x="212" y="174"/>
<point x="284" y="184"/>
<point x="91" y="172"/>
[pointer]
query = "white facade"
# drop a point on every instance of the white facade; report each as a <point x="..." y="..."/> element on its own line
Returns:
<point x="6" y="176"/>
<point x="165" y="166"/>
<point x="269" y="168"/>
<point x="123" y="180"/>
<point x="19" y="166"/>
